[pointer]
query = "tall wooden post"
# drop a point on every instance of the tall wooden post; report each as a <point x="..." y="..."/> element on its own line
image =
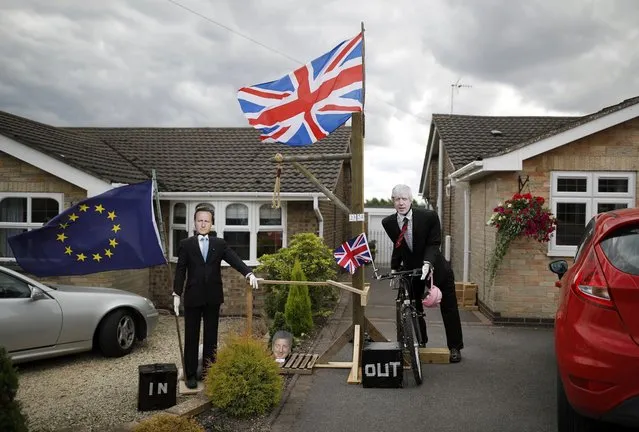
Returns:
<point x="357" y="205"/>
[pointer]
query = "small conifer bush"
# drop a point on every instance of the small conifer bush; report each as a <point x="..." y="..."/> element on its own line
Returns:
<point x="168" y="423"/>
<point x="297" y="312"/>
<point x="244" y="381"/>
<point x="11" y="417"/>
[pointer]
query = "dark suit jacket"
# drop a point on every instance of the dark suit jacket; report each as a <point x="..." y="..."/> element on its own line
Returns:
<point x="427" y="239"/>
<point x="204" y="279"/>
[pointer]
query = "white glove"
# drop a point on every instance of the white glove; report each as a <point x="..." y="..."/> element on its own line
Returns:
<point x="176" y="304"/>
<point x="426" y="268"/>
<point x="252" y="280"/>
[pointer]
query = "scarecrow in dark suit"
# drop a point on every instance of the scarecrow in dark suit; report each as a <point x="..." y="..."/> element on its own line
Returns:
<point x="199" y="262"/>
<point x="416" y="234"/>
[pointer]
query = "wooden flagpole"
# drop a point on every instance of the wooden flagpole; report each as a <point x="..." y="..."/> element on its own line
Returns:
<point x="169" y="278"/>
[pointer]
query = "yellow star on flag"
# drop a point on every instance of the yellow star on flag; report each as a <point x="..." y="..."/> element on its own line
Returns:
<point x="67" y="250"/>
<point x="99" y="208"/>
<point x="73" y="217"/>
<point x="97" y="257"/>
<point x="84" y="207"/>
<point x="111" y="215"/>
<point x="63" y="225"/>
<point x="113" y="242"/>
<point x="108" y="253"/>
<point x="62" y="237"/>
<point x="81" y="257"/>
<point x="116" y="228"/>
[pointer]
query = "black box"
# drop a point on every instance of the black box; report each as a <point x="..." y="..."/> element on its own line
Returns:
<point x="382" y="365"/>
<point x="157" y="386"/>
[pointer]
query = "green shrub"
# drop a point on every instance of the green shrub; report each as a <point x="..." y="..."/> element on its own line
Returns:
<point x="279" y="323"/>
<point x="244" y="381"/>
<point x="168" y="423"/>
<point x="11" y="417"/>
<point x="318" y="263"/>
<point x="297" y="312"/>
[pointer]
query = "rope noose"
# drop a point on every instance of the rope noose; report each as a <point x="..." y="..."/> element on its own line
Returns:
<point x="278" y="173"/>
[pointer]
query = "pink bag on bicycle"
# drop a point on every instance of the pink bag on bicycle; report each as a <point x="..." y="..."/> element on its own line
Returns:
<point x="434" y="296"/>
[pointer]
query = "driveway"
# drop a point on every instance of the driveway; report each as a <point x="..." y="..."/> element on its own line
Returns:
<point x="505" y="382"/>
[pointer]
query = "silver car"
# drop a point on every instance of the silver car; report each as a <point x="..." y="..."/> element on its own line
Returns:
<point x="39" y="321"/>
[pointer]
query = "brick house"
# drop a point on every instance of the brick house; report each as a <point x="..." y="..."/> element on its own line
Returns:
<point x="580" y="166"/>
<point x="46" y="169"/>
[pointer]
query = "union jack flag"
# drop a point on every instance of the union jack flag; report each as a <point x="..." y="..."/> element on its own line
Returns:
<point x="353" y="253"/>
<point x="309" y="103"/>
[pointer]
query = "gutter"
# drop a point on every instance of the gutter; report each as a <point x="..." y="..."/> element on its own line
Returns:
<point x="440" y="183"/>
<point x="467" y="170"/>
<point x="320" y="218"/>
<point x="288" y="196"/>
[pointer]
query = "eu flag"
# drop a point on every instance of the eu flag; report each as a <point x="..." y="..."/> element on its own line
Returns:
<point x="112" y="231"/>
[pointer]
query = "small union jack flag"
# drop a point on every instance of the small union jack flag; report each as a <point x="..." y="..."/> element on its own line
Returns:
<point x="311" y="102"/>
<point x="353" y="253"/>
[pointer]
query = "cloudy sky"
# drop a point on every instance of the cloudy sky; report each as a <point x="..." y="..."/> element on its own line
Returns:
<point x="180" y="62"/>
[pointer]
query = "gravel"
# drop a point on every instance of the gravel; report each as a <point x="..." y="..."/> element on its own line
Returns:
<point x="88" y="392"/>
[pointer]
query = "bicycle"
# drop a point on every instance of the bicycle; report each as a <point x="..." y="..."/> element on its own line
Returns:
<point x="406" y="315"/>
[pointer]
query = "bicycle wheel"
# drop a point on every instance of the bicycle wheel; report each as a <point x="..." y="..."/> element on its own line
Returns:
<point x="412" y="344"/>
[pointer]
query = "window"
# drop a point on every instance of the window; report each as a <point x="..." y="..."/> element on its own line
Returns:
<point x="622" y="249"/>
<point x="178" y="226"/>
<point x="11" y="287"/>
<point x="577" y="196"/>
<point x="24" y="212"/>
<point x="251" y="229"/>
<point x="269" y="235"/>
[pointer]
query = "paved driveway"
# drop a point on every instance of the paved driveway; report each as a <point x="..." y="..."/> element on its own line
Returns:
<point x="506" y="382"/>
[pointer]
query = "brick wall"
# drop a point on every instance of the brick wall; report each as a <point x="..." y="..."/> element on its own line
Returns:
<point x="524" y="287"/>
<point x="18" y="176"/>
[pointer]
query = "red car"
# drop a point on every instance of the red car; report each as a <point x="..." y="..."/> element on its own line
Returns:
<point x="597" y="326"/>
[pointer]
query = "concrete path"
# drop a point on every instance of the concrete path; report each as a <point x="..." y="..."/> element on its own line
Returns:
<point x="506" y="382"/>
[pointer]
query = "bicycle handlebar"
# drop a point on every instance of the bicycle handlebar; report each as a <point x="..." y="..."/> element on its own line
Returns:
<point x="414" y="272"/>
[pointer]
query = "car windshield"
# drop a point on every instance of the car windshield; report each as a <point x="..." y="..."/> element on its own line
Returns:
<point x="622" y="249"/>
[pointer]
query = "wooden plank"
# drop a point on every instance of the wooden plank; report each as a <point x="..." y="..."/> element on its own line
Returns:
<point x="312" y="361"/>
<point x="298" y="360"/>
<point x="434" y="355"/>
<point x="344" y="287"/>
<point x="290" y="360"/>
<point x="305" y="359"/>
<point x="353" y="376"/>
<point x="335" y="365"/>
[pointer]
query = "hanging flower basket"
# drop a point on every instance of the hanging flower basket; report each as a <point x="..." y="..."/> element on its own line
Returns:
<point x="519" y="217"/>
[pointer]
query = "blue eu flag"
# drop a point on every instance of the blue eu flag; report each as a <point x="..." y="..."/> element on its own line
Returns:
<point x="112" y="231"/>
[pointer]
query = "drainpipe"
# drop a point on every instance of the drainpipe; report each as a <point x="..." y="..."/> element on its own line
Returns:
<point x="466" y="188"/>
<point x="440" y="183"/>
<point x="320" y="218"/>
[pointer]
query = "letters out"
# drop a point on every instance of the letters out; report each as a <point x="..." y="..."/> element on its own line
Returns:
<point x="381" y="369"/>
<point x="162" y="388"/>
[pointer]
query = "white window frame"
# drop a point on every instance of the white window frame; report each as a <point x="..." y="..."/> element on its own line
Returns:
<point x="59" y="197"/>
<point x="219" y="224"/>
<point x="591" y="198"/>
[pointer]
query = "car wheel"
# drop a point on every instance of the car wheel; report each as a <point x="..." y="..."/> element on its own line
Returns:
<point x="569" y="420"/>
<point x="117" y="334"/>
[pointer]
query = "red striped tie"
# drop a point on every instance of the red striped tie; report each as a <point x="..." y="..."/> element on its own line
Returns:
<point x="398" y="242"/>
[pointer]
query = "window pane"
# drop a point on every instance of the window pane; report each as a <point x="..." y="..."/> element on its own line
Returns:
<point x="237" y="214"/>
<point x="178" y="235"/>
<point x="571" y="184"/>
<point x="11" y="287"/>
<point x="571" y="221"/>
<point x="601" y="207"/>
<point x="270" y="216"/>
<point x="268" y="242"/>
<point x="622" y="249"/>
<point x="613" y="185"/>
<point x="44" y="209"/>
<point x="5" y="233"/>
<point x="13" y="210"/>
<point x="240" y="242"/>
<point x="179" y="213"/>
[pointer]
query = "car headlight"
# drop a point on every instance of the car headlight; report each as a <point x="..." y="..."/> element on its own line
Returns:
<point x="149" y="302"/>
